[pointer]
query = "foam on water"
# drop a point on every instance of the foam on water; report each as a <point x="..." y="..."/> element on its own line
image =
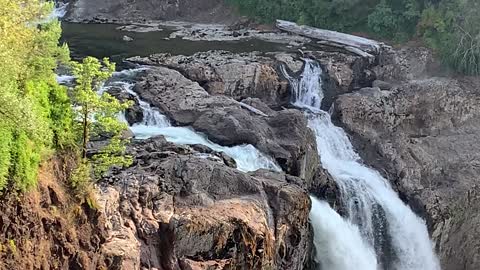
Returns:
<point x="154" y="123"/>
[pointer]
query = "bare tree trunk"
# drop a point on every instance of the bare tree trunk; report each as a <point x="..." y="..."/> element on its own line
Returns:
<point x="358" y="45"/>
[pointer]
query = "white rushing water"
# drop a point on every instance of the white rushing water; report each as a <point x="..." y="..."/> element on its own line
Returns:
<point x="154" y="123"/>
<point x="339" y="251"/>
<point x="372" y="204"/>
<point x="60" y="10"/>
<point x="65" y="79"/>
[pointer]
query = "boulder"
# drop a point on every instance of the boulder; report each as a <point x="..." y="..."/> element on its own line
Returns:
<point x="127" y="38"/>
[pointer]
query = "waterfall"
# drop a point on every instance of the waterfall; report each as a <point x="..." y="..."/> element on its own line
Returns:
<point x="154" y="123"/>
<point x="338" y="243"/>
<point x="399" y="238"/>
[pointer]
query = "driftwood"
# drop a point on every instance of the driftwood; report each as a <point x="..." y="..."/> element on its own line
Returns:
<point x="361" y="46"/>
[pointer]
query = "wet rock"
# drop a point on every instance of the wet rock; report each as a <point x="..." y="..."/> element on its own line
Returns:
<point x="127" y="38"/>
<point x="294" y="63"/>
<point x="283" y="135"/>
<point x="344" y="72"/>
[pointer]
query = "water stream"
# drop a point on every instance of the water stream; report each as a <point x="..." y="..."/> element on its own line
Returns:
<point x="154" y="123"/>
<point x="387" y="226"/>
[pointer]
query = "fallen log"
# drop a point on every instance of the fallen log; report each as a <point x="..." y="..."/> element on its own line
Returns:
<point x="362" y="46"/>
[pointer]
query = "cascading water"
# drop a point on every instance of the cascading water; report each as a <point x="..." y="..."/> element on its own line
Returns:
<point x="339" y="244"/>
<point x="386" y="224"/>
<point x="247" y="157"/>
<point x="59" y="11"/>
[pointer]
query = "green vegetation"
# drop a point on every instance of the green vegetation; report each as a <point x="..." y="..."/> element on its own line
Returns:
<point x="30" y="98"/>
<point x="97" y="115"/>
<point x="451" y="27"/>
<point x="36" y="115"/>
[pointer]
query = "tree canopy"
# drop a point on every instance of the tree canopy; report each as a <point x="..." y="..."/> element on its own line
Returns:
<point x="451" y="27"/>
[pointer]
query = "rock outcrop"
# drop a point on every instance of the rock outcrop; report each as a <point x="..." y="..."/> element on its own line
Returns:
<point x="283" y="135"/>
<point x="133" y="114"/>
<point x="423" y="133"/>
<point x="175" y="209"/>
<point x="223" y="73"/>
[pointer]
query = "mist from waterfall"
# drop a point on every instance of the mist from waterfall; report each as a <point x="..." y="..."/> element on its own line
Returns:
<point x="154" y="123"/>
<point x="387" y="226"/>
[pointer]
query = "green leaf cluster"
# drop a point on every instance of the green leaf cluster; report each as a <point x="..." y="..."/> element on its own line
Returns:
<point x="97" y="114"/>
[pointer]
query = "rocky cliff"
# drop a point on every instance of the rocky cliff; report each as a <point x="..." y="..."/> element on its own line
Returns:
<point x="423" y="132"/>
<point x="123" y="11"/>
<point x="49" y="228"/>
<point x="176" y="209"/>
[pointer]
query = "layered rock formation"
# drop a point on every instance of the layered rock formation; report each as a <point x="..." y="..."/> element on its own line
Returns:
<point x="423" y="133"/>
<point x="223" y="73"/>
<point x="176" y="209"/>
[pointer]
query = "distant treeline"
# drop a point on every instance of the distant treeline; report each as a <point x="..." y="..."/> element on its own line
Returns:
<point x="451" y="27"/>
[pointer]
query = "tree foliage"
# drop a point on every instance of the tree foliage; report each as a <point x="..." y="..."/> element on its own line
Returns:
<point x="451" y="27"/>
<point x="97" y="114"/>
<point x="36" y="115"/>
<point x="30" y="98"/>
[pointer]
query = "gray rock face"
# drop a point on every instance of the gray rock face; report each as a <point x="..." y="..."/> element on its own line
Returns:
<point x="173" y="209"/>
<point x="424" y="134"/>
<point x="283" y="135"/>
<point x="124" y="11"/>
<point x="235" y="75"/>
<point x="405" y="64"/>
<point x="134" y="114"/>
<point x="344" y="72"/>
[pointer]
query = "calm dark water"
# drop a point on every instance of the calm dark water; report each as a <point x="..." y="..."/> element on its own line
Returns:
<point x="104" y="40"/>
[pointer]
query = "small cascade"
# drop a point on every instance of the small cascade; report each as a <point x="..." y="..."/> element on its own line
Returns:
<point x="386" y="224"/>
<point x="60" y="10"/>
<point x="65" y="79"/>
<point x="154" y="123"/>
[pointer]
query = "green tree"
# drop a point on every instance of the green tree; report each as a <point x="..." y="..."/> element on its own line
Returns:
<point x="98" y="115"/>
<point x="452" y="28"/>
